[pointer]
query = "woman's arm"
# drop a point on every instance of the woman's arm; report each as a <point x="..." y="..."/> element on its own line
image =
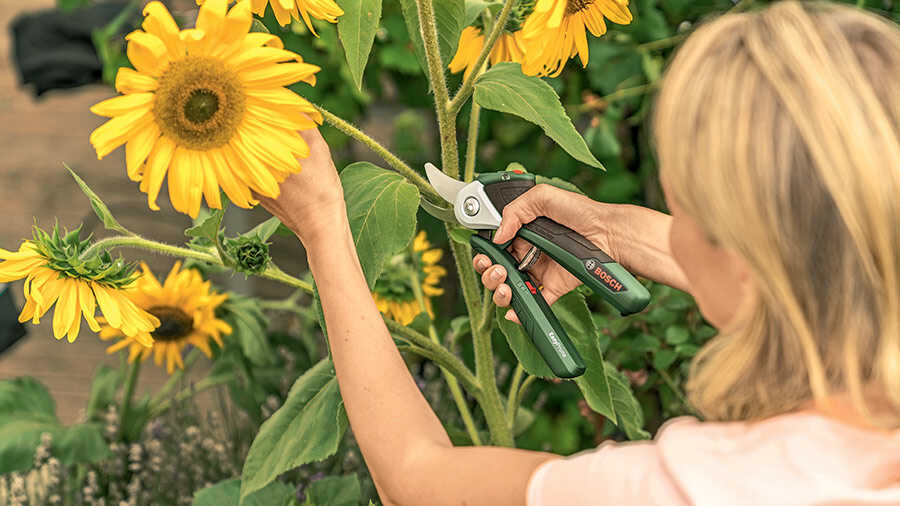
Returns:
<point x="405" y="446"/>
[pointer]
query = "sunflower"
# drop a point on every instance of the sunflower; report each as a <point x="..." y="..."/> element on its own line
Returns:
<point x="394" y="294"/>
<point x="286" y="9"/>
<point x="509" y="47"/>
<point x="555" y="31"/>
<point x="54" y="274"/>
<point x="208" y="107"/>
<point x="185" y="306"/>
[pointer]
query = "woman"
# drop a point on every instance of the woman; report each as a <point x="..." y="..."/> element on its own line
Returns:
<point x="777" y="135"/>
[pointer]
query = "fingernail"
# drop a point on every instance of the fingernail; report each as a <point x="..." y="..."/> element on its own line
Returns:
<point x="483" y="263"/>
<point x="508" y="315"/>
<point x="496" y="275"/>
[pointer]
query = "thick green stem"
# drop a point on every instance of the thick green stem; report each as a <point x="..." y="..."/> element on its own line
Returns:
<point x="128" y="393"/>
<point x="187" y="393"/>
<point x="487" y="312"/>
<point x="396" y="163"/>
<point x="438" y="79"/>
<point x="465" y="91"/>
<point x="472" y="143"/>
<point x="274" y="273"/>
<point x="511" y="397"/>
<point x="175" y="377"/>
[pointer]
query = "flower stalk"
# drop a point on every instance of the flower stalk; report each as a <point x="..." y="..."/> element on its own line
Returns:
<point x="128" y="394"/>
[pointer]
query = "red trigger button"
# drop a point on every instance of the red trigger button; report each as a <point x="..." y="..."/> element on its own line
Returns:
<point x="518" y="171"/>
<point x="531" y="287"/>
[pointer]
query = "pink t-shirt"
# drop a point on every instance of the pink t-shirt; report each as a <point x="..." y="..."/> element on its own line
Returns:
<point x="794" y="459"/>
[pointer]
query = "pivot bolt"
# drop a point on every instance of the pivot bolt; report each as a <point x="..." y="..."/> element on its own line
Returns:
<point x="471" y="206"/>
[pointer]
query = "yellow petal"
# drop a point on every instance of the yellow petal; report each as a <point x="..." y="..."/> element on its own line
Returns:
<point x="138" y="149"/>
<point x="210" y="181"/>
<point x="432" y="256"/>
<point x="211" y="19"/>
<point x="236" y="190"/>
<point x="131" y="81"/>
<point x="615" y="11"/>
<point x="157" y="166"/>
<point x="237" y="23"/>
<point x="146" y="52"/>
<point x="159" y="22"/>
<point x="108" y="305"/>
<point x="118" y="130"/>
<point x="88" y="305"/>
<point x="259" y="56"/>
<point x="123" y="104"/>
<point x="283" y="74"/>
<point x="256" y="39"/>
<point x="65" y="310"/>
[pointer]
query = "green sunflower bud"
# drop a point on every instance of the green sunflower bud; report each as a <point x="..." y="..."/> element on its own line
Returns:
<point x="64" y="251"/>
<point x="249" y="254"/>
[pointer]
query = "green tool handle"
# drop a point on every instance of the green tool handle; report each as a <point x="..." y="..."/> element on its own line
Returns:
<point x="536" y="316"/>
<point x="588" y="263"/>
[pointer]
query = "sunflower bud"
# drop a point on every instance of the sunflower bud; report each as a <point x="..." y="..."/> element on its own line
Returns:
<point x="249" y="254"/>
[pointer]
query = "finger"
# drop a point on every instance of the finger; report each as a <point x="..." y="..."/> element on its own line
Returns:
<point x="492" y="277"/>
<point x="481" y="262"/>
<point x="502" y="295"/>
<point x="512" y="316"/>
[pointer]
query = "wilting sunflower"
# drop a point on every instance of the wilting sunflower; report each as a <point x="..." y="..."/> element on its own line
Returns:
<point x="185" y="305"/>
<point x="394" y="294"/>
<point x="54" y="274"/>
<point x="509" y="47"/>
<point x="208" y="107"/>
<point x="284" y="10"/>
<point x="555" y="31"/>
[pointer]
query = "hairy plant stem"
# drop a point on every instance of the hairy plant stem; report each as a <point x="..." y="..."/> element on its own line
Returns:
<point x="458" y="397"/>
<point x="127" y="395"/>
<point x="472" y="143"/>
<point x="523" y="388"/>
<point x="487" y="312"/>
<point x="438" y="78"/>
<point x="393" y="160"/>
<point x="465" y="91"/>
<point x="511" y="405"/>
<point x="204" y="384"/>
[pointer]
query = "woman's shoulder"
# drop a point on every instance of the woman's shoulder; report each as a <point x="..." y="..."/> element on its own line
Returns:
<point x="798" y="458"/>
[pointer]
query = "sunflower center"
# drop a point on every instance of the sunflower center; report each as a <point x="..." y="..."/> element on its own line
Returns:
<point x="573" y="6"/>
<point x="174" y="324"/>
<point x="199" y="103"/>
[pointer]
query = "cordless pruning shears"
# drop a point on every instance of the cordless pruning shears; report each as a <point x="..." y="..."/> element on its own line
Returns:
<point x="479" y="206"/>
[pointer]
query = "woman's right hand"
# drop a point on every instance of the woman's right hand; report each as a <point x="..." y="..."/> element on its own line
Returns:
<point x="583" y="215"/>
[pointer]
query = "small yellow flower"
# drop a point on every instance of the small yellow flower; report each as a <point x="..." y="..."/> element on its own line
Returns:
<point x="185" y="305"/>
<point x="76" y="292"/>
<point x="509" y="47"/>
<point x="394" y="294"/>
<point x="284" y="10"/>
<point x="555" y="31"/>
<point x="207" y="107"/>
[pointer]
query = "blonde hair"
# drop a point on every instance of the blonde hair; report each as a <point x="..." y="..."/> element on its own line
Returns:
<point x="777" y="131"/>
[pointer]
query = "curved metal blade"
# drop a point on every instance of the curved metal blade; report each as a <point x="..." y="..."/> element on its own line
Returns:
<point x="445" y="185"/>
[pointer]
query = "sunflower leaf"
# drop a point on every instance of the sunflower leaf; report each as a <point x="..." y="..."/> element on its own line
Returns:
<point x="357" y="28"/>
<point x="506" y="89"/>
<point x="265" y="230"/>
<point x="307" y="428"/>
<point x="228" y="492"/>
<point x="381" y="206"/>
<point x="449" y="17"/>
<point x="97" y="204"/>
<point x="630" y="417"/>
<point x="335" y="491"/>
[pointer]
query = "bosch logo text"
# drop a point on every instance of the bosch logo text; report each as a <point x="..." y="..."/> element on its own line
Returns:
<point x="608" y="279"/>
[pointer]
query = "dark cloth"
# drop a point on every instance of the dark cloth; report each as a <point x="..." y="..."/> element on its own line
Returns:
<point x="10" y="328"/>
<point x="53" y="50"/>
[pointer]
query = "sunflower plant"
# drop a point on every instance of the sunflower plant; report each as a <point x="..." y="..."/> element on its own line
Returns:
<point x="214" y="111"/>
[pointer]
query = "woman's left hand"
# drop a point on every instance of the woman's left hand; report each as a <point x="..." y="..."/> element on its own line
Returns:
<point x="311" y="203"/>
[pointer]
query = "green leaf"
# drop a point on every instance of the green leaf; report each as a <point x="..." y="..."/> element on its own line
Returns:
<point x="335" y="491"/>
<point x="474" y="9"/>
<point x="208" y="228"/>
<point x="103" y="390"/>
<point x="460" y="326"/>
<point x="228" y="493"/>
<point x="506" y="89"/>
<point x="662" y="359"/>
<point x="628" y="409"/>
<point x="265" y="230"/>
<point x="381" y="206"/>
<point x="677" y="334"/>
<point x="522" y="346"/>
<point x="27" y="411"/>
<point x="307" y="428"/>
<point x="449" y="18"/>
<point x="357" y="28"/>
<point x="461" y="234"/>
<point x="97" y="204"/>
<point x="524" y="418"/>
<point x="248" y="324"/>
<point x="575" y="317"/>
